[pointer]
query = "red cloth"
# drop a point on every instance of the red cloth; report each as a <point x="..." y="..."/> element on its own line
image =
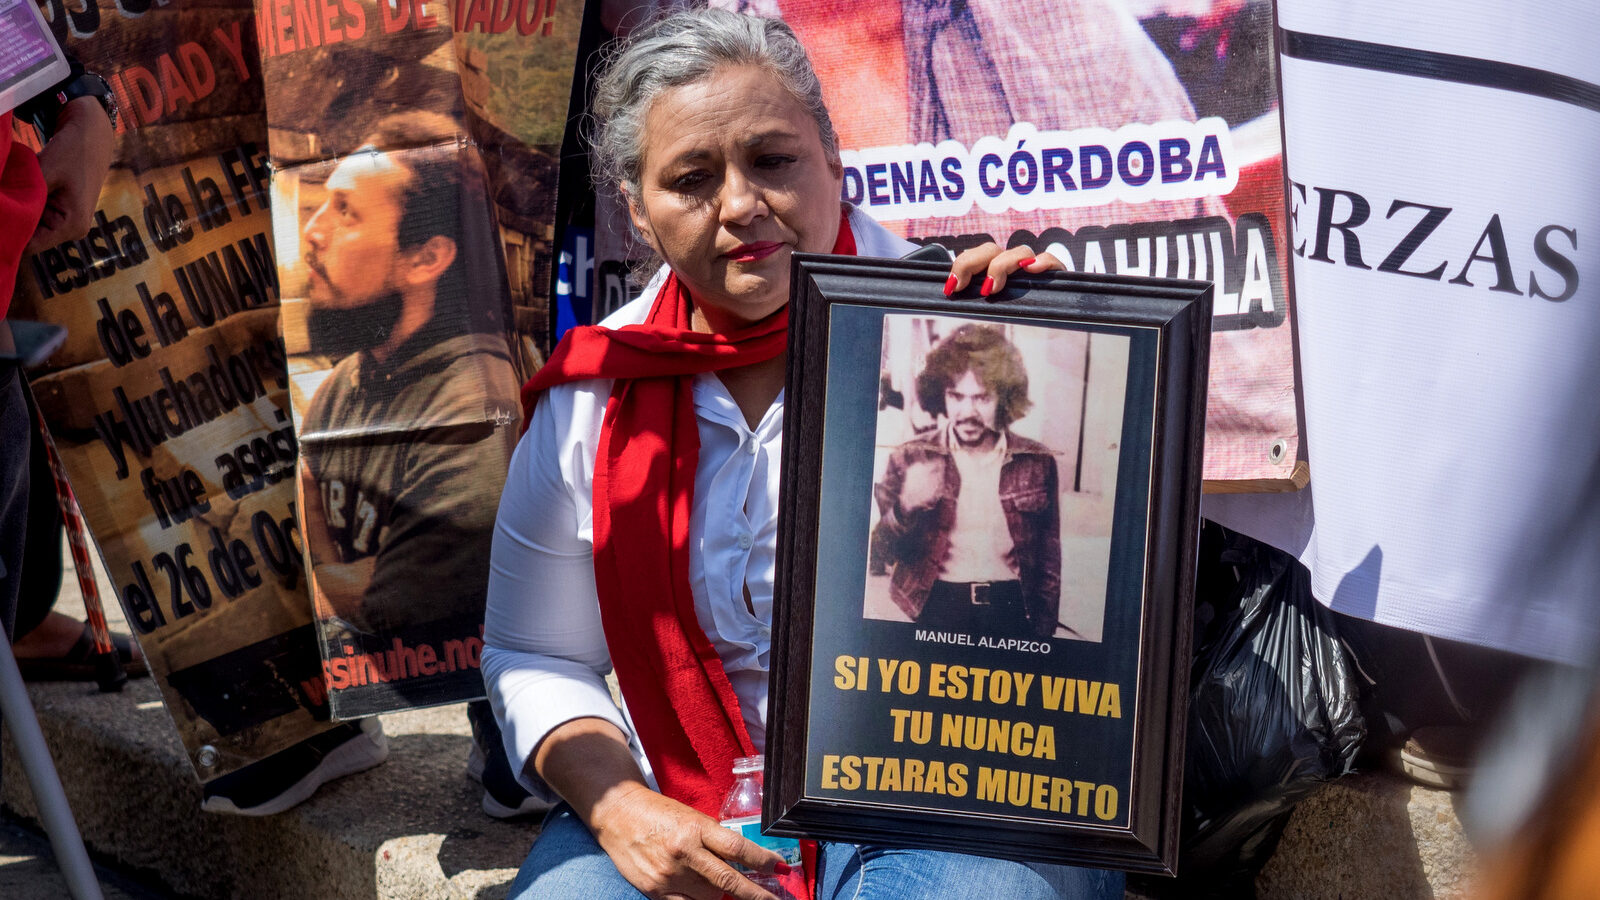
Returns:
<point x="678" y="695"/>
<point x="22" y="196"/>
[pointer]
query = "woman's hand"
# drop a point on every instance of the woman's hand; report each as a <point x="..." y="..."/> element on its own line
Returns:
<point x="996" y="265"/>
<point x="667" y="850"/>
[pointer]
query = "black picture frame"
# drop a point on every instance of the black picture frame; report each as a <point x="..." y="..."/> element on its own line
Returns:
<point x="837" y="684"/>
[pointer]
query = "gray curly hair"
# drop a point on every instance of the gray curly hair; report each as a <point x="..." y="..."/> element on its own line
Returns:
<point x="683" y="48"/>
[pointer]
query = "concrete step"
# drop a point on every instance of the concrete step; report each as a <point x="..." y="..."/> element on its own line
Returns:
<point x="413" y="828"/>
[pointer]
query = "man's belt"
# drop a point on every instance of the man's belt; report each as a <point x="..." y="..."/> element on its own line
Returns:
<point x="981" y="593"/>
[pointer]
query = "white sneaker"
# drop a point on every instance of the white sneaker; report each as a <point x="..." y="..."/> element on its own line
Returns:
<point x="289" y="777"/>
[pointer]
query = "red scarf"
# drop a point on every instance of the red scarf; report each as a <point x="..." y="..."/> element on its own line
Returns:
<point x="22" y="197"/>
<point x="671" y="677"/>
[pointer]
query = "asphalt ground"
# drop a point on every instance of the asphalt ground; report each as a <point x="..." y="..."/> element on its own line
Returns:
<point x="28" y="871"/>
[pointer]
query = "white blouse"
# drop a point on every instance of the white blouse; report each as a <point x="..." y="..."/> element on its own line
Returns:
<point x="545" y="656"/>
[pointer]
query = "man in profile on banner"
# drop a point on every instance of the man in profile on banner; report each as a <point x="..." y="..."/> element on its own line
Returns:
<point x="405" y="441"/>
<point x="969" y="514"/>
<point x="398" y="439"/>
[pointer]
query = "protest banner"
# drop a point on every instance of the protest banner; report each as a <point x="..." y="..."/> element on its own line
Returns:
<point x="1443" y="211"/>
<point x="168" y="402"/>
<point x="415" y="148"/>
<point x="1133" y="137"/>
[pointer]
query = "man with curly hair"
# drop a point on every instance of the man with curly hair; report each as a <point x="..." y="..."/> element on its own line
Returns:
<point x="969" y="511"/>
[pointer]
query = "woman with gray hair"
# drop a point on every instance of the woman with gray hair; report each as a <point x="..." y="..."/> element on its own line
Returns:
<point x="638" y="526"/>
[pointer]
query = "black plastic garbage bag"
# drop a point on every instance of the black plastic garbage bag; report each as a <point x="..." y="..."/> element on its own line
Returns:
<point x="1274" y="710"/>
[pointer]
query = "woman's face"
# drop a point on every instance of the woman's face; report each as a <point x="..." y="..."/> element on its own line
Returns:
<point x="734" y="180"/>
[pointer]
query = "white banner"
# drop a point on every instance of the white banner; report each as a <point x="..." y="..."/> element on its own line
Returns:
<point x="1443" y="217"/>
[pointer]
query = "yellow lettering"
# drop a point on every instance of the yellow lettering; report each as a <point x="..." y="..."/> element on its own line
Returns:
<point x="1022" y="739"/>
<point x="845" y="677"/>
<point x="899" y="716"/>
<point x="890" y="780"/>
<point x="950" y="730"/>
<point x="910" y="677"/>
<point x="874" y="764"/>
<point x="913" y="775"/>
<point x="958" y="683"/>
<point x="1044" y="744"/>
<point x="1083" y="796"/>
<point x="1017" y="784"/>
<point x="958" y="780"/>
<point x="850" y="773"/>
<point x="1052" y="687"/>
<point x="1110" y="702"/>
<point x="979" y="676"/>
<point x="999" y="735"/>
<point x="991" y="784"/>
<point x="830" y="772"/>
<point x="1024" y="682"/>
<point x="1088" y="693"/>
<point x="1105" y="802"/>
<point x="1000" y="687"/>
<point x="1060" y="795"/>
<point x="886" y="669"/>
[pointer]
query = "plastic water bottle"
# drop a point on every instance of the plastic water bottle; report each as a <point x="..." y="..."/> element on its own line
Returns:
<point x="742" y="813"/>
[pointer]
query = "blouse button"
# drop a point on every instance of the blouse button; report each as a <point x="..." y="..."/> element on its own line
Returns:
<point x="752" y="446"/>
<point x="744" y="542"/>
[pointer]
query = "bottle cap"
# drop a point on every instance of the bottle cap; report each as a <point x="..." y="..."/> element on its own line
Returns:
<point x="744" y="765"/>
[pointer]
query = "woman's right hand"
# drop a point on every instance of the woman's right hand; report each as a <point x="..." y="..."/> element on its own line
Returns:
<point x="668" y="850"/>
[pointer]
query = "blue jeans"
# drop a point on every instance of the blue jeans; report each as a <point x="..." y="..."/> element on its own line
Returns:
<point x="567" y="864"/>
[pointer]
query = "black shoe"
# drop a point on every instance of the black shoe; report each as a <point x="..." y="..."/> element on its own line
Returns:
<point x="503" y="796"/>
<point x="290" y="776"/>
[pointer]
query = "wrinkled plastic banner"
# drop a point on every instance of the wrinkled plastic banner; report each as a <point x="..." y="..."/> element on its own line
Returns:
<point x="415" y="147"/>
<point x="1124" y="136"/>
<point x="169" y="402"/>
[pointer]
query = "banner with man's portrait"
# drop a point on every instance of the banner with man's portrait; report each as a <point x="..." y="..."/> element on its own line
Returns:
<point x="1133" y="137"/>
<point x="415" y="149"/>
<point x="169" y="401"/>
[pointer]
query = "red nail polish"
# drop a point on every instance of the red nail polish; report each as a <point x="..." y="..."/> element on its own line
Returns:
<point x="781" y="869"/>
<point x="988" y="287"/>
<point x="1027" y="262"/>
<point x="950" y="286"/>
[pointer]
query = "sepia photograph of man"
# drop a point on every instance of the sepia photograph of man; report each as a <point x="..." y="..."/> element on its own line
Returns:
<point x="970" y="509"/>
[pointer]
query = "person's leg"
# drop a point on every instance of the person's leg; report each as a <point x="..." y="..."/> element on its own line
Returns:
<point x="41" y="569"/>
<point x="14" y="431"/>
<point x="48" y="645"/>
<point x="566" y="863"/>
<point x="870" y="872"/>
<point x="503" y="796"/>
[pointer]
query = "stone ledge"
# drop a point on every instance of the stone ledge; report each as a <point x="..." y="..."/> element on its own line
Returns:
<point x="410" y="828"/>
<point x="1371" y="835"/>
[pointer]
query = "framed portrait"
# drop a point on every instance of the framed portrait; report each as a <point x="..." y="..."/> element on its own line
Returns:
<point x="986" y="562"/>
